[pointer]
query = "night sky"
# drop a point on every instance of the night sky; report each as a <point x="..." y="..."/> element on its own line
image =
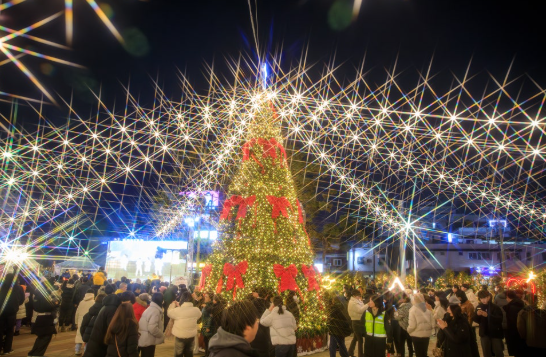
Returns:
<point x="164" y="35"/>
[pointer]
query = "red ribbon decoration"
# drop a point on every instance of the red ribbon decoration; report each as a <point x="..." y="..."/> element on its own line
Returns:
<point x="280" y="204"/>
<point x="234" y="275"/>
<point x="205" y="273"/>
<point x="310" y="273"/>
<point x="269" y="149"/>
<point x="243" y="206"/>
<point x="229" y="204"/>
<point x="287" y="276"/>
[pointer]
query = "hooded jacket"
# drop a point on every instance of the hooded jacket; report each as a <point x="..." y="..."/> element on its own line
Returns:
<point x="225" y="344"/>
<point x="421" y="322"/>
<point x="151" y="326"/>
<point x="99" y="278"/>
<point x="185" y="319"/>
<point x="139" y="307"/>
<point x="83" y="309"/>
<point x="95" y="346"/>
<point x="282" y="327"/>
<point x="532" y="326"/>
<point x="513" y="339"/>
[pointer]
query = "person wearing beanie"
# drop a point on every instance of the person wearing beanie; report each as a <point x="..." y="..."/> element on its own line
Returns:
<point x="421" y="325"/>
<point x="140" y="305"/>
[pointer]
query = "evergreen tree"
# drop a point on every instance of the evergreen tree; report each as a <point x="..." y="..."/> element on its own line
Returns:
<point x="263" y="241"/>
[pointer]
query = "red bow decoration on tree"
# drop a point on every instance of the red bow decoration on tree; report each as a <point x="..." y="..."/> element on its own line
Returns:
<point x="287" y="276"/>
<point x="234" y="275"/>
<point x="269" y="149"/>
<point x="310" y="273"/>
<point x="205" y="273"/>
<point x="243" y="204"/>
<point x="229" y="204"/>
<point x="280" y="204"/>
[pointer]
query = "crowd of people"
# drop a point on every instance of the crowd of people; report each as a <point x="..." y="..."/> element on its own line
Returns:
<point x="386" y="321"/>
<point x="129" y="319"/>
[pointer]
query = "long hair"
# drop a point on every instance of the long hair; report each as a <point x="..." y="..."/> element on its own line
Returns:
<point x="378" y="302"/>
<point x="277" y="301"/>
<point x="124" y="319"/>
<point x="457" y="312"/>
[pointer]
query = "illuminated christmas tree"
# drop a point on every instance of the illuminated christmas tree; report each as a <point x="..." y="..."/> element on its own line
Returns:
<point x="263" y="241"/>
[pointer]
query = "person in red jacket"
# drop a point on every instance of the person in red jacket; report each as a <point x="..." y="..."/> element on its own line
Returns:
<point x="141" y="305"/>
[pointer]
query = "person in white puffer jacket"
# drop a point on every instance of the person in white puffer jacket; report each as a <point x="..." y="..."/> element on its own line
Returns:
<point x="185" y="318"/>
<point x="282" y="327"/>
<point x="150" y="327"/>
<point x="421" y="325"/>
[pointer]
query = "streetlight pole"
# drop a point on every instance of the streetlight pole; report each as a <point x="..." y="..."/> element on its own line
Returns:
<point x="402" y="244"/>
<point x="501" y="242"/>
<point x="373" y="248"/>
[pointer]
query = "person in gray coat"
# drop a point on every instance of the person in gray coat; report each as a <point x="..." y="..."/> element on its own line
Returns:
<point x="150" y="327"/>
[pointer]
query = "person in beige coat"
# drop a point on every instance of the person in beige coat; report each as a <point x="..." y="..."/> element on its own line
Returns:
<point x="83" y="308"/>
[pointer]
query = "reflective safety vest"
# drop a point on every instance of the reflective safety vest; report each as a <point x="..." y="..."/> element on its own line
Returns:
<point x="375" y="325"/>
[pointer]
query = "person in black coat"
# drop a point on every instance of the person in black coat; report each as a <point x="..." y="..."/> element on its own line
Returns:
<point x="454" y="335"/>
<point x="96" y="346"/>
<point x="262" y="341"/>
<point x="122" y="333"/>
<point x="339" y="326"/>
<point x="489" y="316"/>
<point x="516" y="345"/>
<point x="10" y="299"/>
<point x="89" y="319"/>
<point x="46" y="304"/>
<point x="67" y="305"/>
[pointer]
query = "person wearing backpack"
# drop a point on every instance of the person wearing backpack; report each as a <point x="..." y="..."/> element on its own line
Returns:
<point x="339" y="326"/>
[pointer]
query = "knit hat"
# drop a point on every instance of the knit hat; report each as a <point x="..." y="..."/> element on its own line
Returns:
<point x="453" y="300"/>
<point x="144" y="297"/>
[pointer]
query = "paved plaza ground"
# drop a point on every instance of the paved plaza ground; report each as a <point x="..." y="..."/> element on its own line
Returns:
<point x="62" y="345"/>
